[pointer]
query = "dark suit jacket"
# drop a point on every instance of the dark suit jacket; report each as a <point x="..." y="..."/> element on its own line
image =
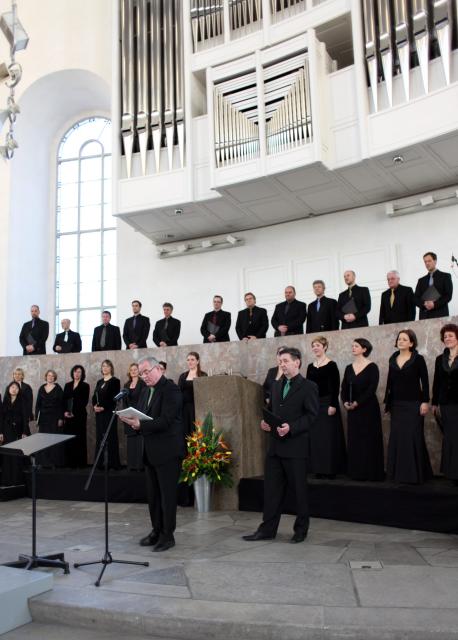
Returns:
<point x="299" y="409"/>
<point x="444" y="285"/>
<point x="39" y="335"/>
<point x="173" y="332"/>
<point x="323" y="320"/>
<point x="223" y="320"/>
<point x="403" y="309"/>
<point x="73" y="345"/>
<point x="294" y="319"/>
<point x="362" y="299"/>
<point x="112" y="340"/>
<point x="256" y="327"/>
<point x="164" y="435"/>
<point x="139" y="335"/>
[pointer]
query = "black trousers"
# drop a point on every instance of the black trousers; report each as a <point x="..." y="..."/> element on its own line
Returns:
<point x="279" y="474"/>
<point x="161" y="489"/>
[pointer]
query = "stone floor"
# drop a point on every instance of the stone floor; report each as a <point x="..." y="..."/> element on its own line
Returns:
<point x="214" y="584"/>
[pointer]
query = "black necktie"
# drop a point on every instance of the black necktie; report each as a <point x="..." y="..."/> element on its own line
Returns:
<point x="134" y="322"/>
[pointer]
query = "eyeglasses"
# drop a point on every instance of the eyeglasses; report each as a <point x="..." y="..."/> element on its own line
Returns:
<point x="145" y="372"/>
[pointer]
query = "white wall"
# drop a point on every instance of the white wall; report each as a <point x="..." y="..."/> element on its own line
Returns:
<point x="295" y="253"/>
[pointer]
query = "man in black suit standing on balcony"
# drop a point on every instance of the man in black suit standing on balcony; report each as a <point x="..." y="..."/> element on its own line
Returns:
<point x="397" y="303"/>
<point x="68" y="341"/>
<point x="136" y="328"/>
<point x="353" y="304"/>
<point x="34" y="334"/>
<point x="216" y="324"/>
<point x="107" y="337"/>
<point x="167" y="330"/>
<point x="289" y="316"/>
<point x="434" y="291"/>
<point x="252" y="322"/>
<point x="295" y="402"/>
<point x="321" y="314"/>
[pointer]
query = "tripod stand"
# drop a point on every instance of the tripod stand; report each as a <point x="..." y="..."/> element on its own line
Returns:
<point x="107" y="557"/>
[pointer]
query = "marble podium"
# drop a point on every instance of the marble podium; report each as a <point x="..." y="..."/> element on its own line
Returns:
<point x="236" y="404"/>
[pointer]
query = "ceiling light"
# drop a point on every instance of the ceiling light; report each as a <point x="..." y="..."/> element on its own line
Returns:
<point x="232" y="239"/>
<point x="398" y="159"/>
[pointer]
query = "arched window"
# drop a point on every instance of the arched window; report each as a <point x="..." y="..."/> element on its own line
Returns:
<point x="85" y="228"/>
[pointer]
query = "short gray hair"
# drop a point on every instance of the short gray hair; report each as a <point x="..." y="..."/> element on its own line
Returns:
<point x="151" y="360"/>
<point x="394" y="272"/>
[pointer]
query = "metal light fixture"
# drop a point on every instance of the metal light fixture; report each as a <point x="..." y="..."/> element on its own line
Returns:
<point x="10" y="74"/>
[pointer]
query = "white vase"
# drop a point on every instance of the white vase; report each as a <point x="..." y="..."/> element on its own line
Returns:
<point x="203" y="491"/>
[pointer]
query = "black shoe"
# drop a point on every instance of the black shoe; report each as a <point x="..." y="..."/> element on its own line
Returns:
<point x="298" y="537"/>
<point x="164" y="545"/>
<point x="258" y="535"/>
<point x="150" y="540"/>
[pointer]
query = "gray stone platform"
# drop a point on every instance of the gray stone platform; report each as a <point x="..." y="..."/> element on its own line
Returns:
<point x="215" y="585"/>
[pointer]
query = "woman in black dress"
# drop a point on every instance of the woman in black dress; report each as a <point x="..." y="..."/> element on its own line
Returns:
<point x="76" y="397"/>
<point x="364" y="422"/>
<point x="104" y="405"/>
<point x="26" y="390"/>
<point x="445" y="399"/>
<point x="50" y="418"/>
<point x="14" y="424"/>
<point x="273" y="374"/>
<point x="406" y="399"/>
<point x="327" y="442"/>
<point x="185" y="383"/>
<point x="135" y="385"/>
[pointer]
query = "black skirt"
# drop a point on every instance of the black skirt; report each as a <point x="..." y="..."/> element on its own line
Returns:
<point x="449" y="464"/>
<point x="408" y="459"/>
<point x="365" y="442"/>
<point x="327" y="442"/>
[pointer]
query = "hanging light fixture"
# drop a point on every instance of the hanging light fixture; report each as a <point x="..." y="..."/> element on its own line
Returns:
<point x="10" y="75"/>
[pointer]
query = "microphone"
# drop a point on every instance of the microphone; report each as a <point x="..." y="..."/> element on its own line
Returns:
<point x="121" y="394"/>
<point x="454" y="260"/>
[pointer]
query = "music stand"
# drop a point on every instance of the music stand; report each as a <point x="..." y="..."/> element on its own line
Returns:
<point x="107" y="557"/>
<point x="29" y="447"/>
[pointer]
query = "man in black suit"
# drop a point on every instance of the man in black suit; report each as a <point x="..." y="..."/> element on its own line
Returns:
<point x="295" y="402"/>
<point x="107" y="337"/>
<point x="397" y="303"/>
<point x="353" y="304"/>
<point x="434" y="291"/>
<point x="34" y="333"/>
<point x="164" y="450"/>
<point x="321" y="314"/>
<point x="136" y="328"/>
<point x="167" y="331"/>
<point x="289" y="316"/>
<point x="252" y="322"/>
<point x="216" y="324"/>
<point x="68" y="341"/>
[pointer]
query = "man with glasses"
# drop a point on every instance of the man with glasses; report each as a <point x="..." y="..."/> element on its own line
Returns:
<point x="162" y="401"/>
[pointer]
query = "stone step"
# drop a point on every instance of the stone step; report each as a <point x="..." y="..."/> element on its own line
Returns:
<point x="38" y="631"/>
<point x="16" y="587"/>
<point x="187" y="619"/>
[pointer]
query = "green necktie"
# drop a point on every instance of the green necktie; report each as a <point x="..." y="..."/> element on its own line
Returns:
<point x="286" y="389"/>
<point x="151" y="391"/>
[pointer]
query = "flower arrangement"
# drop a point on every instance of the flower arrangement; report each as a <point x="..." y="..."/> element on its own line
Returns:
<point x="208" y="455"/>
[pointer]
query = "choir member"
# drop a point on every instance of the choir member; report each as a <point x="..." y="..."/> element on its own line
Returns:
<point x="107" y="337"/>
<point x="185" y="384"/>
<point x="321" y="315"/>
<point x="14" y="424"/>
<point x="445" y="399"/>
<point x="353" y="304"/>
<point x="26" y="391"/>
<point x="397" y="303"/>
<point x="327" y="442"/>
<point x="76" y="398"/>
<point x="252" y="322"/>
<point x="434" y="290"/>
<point x="50" y="418"/>
<point x="289" y="316"/>
<point x="68" y="341"/>
<point x="34" y="333"/>
<point x="136" y="329"/>
<point x="134" y="385"/>
<point x="406" y="399"/>
<point x="216" y="324"/>
<point x="364" y="423"/>
<point x="273" y="374"/>
<point x="104" y="404"/>
<point x="163" y="367"/>
<point x="167" y="330"/>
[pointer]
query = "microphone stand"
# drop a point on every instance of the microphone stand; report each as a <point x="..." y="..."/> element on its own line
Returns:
<point x="107" y="557"/>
